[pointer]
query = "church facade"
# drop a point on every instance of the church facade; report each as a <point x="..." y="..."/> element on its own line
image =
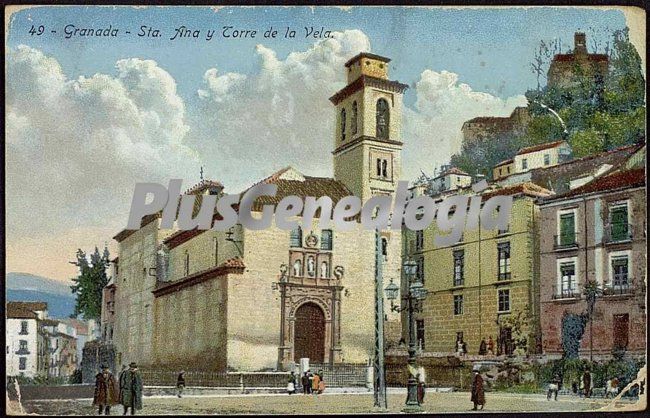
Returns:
<point x="260" y="300"/>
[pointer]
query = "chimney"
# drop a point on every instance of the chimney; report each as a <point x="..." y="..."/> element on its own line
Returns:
<point x="580" y="41"/>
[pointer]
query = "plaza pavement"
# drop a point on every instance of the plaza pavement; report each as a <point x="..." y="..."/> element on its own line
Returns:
<point x="332" y="403"/>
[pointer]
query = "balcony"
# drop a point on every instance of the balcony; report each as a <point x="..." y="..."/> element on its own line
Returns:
<point x="565" y="294"/>
<point x="622" y="288"/>
<point x="618" y="233"/>
<point x="22" y="351"/>
<point x="565" y="241"/>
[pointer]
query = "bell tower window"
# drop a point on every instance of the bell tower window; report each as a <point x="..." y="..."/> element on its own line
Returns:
<point x="342" y="124"/>
<point x="355" y="113"/>
<point x="383" y="119"/>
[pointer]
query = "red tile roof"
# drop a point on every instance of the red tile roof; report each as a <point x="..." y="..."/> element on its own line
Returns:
<point x="369" y="81"/>
<point x="452" y="170"/>
<point x="540" y="147"/>
<point x="17" y="312"/>
<point x="527" y="189"/>
<point x="504" y="162"/>
<point x="615" y="181"/>
<point x="32" y="306"/>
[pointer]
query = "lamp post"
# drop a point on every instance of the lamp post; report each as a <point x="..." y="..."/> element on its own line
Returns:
<point x="415" y="295"/>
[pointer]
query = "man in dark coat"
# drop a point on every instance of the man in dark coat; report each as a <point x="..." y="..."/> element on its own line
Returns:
<point x="180" y="384"/>
<point x="106" y="391"/>
<point x="478" y="394"/>
<point x="131" y="389"/>
<point x="306" y="385"/>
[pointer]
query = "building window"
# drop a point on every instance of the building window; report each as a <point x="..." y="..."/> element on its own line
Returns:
<point x="568" y="283"/>
<point x="547" y="159"/>
<point x="326" y="239"/>
<point x="504" y="300"/>
<point x="459" y="267"/>
<point x="458" y="304"/>
<point x="22" y="363"/>
<point x="420" y="270"/>
<point x="382" y="168"/>
<point x="187" y="263"/>
<point x="384" y="248"/>
<point x="23" y="328"/>
<point x="419" y="240"/>
<point x="216" y="251"/>
<point x="355" y="113"/>
<point x="503" y="253"/>
<point x="567" y="229"/>
<point x="618" y="224"/>
<point x="419" y="326"/>
<point x="620" y="269"/>
<point x="295" y="237"/>
<point x="524" y="164"/>
<point x="22" y="346"/>
<point x="383" y="119"/>
<point x="342" y="124"/>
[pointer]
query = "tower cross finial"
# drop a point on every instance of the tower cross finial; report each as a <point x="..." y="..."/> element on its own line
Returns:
<point x="201" y="172"/>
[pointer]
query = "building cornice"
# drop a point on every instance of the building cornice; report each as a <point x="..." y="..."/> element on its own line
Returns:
<point x="367" y="81"/>
<point x="364" y="138"/>
<point x="234" y="265"/>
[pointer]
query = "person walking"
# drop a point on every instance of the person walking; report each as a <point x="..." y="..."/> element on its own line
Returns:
<point x="321" y="383"/>
<point x="554" y="387"/>
<point x="421" y="388"/>
<point x="180" y="384"/>
<point x="306" y="385"/>
<point x="314" y="384"/>
<point x="291" y="384"/>
<point x="478" y="394"/>
<point x="586" y="383"/>
<point x="482" y="348"/>
<point x="106" y="391"/>
<point x="490" y="346"/>
<point x="131" y="389"/>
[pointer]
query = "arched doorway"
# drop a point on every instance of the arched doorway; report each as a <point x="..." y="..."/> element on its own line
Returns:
<point x="309" y="340"/>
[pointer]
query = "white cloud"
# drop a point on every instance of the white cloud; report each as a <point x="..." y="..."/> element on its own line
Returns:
<point x="75" y="148"/>
<point x="432" y="129"/>
<point x="280" y="115"/>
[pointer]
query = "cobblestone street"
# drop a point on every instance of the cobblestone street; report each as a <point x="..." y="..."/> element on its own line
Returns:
<point x="323" y="404"/>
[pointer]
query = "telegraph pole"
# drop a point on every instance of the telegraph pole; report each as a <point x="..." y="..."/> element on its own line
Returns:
<point x="379" y="377"/>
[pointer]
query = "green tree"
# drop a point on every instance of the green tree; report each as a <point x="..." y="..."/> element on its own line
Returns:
<point x="90" y="283"/>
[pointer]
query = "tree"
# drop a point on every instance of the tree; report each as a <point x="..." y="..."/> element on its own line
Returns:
<point x="90" y="283"/>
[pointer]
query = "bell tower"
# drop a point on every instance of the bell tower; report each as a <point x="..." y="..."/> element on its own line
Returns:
<point x="367" y="140"/>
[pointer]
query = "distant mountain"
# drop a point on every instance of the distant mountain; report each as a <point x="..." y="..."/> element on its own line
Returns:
<point x="31" y="288"/>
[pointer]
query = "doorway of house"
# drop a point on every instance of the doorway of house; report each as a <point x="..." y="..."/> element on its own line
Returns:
<point x="309" y="340"/>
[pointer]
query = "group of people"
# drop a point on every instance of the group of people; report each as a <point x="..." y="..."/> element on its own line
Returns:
<point x="128" y="392"/>
<point x="485" y="348"/>
<point x="311" y="383"/>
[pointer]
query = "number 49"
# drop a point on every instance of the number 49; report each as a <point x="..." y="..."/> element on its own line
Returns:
<point x="37" y="31"/>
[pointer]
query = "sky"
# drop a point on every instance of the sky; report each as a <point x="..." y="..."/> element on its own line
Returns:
<point x="88" y="117"/>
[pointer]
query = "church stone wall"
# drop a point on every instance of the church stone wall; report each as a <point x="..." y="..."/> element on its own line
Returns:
<point x="190" y="327"/>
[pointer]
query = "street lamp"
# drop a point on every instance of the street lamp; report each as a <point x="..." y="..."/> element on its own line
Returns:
<point x="415" y="295"/>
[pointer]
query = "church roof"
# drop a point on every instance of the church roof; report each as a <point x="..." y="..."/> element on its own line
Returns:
<point x="291" y="182"/>
<point x="233" y="265"/>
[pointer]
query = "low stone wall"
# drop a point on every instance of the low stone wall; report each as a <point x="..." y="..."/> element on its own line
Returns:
<point x="33" y="392"/>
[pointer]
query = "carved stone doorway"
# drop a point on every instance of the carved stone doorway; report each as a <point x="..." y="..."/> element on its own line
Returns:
<point x="309" y="340"/>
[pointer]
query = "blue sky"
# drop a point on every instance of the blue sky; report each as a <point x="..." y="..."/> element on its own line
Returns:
<point x="94" y="116"/>
<point x="489" y="48"/>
